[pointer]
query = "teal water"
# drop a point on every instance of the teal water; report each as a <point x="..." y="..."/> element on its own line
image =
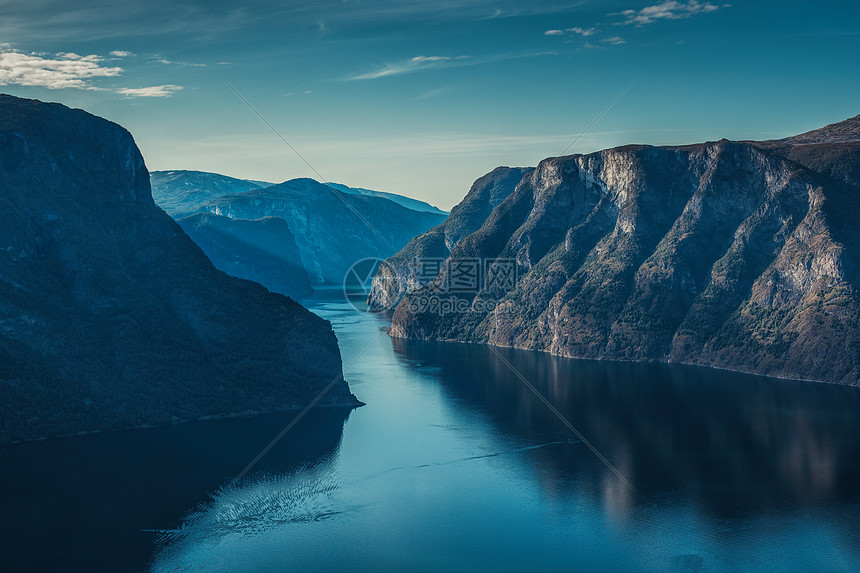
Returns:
<point x="455" y="465"/>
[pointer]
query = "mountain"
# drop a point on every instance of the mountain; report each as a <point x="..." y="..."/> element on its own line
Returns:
<point x="333" y="225"/>
<point x="110" y="316"/>
<point x="180" y="193"/>
<point x="262" y="251"/>
<point x="333" y="230"/>
<point x="400" y="275"/>
<point x="831" y="150"/>
<point x="407" y="202"/>
<point x="737" y="255"/>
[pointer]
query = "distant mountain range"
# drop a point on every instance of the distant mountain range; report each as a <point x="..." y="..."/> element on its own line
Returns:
<point x="738" y="255"/>
<point x="407" y="202"/>
<point x="331" y="226"/>
<point x="181" y="193"/>
<point x="110" y="316"/>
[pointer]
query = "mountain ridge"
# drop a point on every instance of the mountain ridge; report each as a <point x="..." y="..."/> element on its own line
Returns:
<point x="332" y="228"/>
<point x="408" y="202"/>
<point x="726" y="254"/>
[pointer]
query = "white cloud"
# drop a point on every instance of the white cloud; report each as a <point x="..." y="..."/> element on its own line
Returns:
<point x="423" y="59"/>
<point x="586" y="32"/>
<point x="65" y="70"/>
<point x="151" y="91"/>
<point x="667" y="10"/>
<point x="614" y="40"/>
<point x="121" y="54"/>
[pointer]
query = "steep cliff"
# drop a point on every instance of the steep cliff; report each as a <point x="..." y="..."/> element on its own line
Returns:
<point x="724" y="254"/>
<point x="110" y="316"/>
<point x="412" y="267"/>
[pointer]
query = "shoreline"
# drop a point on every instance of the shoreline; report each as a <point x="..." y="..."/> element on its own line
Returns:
<point x="210" y="418"/>
<point x="624" y="361"/>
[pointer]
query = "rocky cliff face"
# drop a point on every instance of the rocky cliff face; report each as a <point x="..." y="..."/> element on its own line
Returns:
<point x="411" y="268"/>
<point x="110" y="316"/>
<point x="726" y="254"/>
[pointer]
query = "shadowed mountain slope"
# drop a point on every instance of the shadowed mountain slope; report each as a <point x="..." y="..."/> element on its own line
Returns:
<point x="110" y="316"/>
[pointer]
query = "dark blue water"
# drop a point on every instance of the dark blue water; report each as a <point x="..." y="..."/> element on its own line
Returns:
<point x="455" y="465"/>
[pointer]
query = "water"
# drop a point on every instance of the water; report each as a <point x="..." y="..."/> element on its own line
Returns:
<point x="455" y="465"/>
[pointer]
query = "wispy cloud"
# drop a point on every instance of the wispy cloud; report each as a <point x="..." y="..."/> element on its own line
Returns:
<point x="65" y="70"/>
<point x="412" y="65"/>
<point x="57" y="20"/>
<point x="614" y="40"/>
<point x="423" y="143"/>
<point x="121" y="54"/>
<point x="151" y="91"/>
<point x="587" y="35"/>
<point x="420" y="63"/>
<point x="668" y="10"/>
<point x="433" y="93"/>
<point x="162" y="60"/>
<point x="584" y="32"/>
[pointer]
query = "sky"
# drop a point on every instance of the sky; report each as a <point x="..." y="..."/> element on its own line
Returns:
<point x="422" y="98"/>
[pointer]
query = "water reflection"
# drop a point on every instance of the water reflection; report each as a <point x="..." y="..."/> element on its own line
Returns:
<point x="734" y="444"/>
<point x="90" y="503"/>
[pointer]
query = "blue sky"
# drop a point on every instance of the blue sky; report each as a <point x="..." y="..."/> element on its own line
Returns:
<point x="421" y="98"/>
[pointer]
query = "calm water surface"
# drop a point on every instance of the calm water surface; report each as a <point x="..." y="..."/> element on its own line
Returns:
<point x="454" y="465"/>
